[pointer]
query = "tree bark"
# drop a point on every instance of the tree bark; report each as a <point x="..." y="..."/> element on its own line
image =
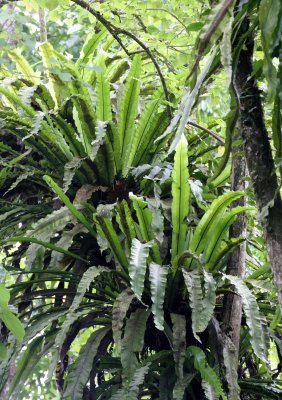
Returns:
<point x="8" y="26"/>
<point x="42" y="25"/>
<point x="260" y="161"/>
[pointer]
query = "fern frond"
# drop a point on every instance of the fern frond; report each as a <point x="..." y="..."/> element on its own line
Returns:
<point x="128" y="111"/>
<point x="202" y="301"/>
<point x="80" y="370"/>
<point x="208" y="375"/>
<point x="255" y="320"/>
<point x="137" y="266"/>
<point x="24" y="67"/>
<point x="158" y="278"/>
<point x="90" y="45"/>
<point x="180" y="199"/>
<point x="133" y="341"/>
<point x="120" y="308"/>
<point x="87" y="278"/>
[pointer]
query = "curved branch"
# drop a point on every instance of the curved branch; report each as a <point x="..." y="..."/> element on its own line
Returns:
<point x="210" y="132"/>
<point x="115" y="32"/>
<point x="170" y="13"/>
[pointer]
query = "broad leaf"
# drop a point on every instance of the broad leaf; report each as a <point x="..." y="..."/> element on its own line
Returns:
<point x="211" y="382"/>
<point x="80" y="370"/>
<point x="83" y="286"/>
<point x="137" y="266"/>
<point x="133" y="341"/>
<point x="158" y="278"/>
<point x="255" y="320"/>
<point x="180" y="199"/>
<point x="120" y="308"/>
<point x="202" y="300"/>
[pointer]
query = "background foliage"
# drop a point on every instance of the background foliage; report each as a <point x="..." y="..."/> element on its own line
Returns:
<point x="117" y="205"/>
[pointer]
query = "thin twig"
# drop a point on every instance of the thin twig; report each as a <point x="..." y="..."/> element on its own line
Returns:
<point x="210" y="132"/>
<point x="42" y="25"/>
<point x="115" y="32"/>
<point x="170" y="13"/>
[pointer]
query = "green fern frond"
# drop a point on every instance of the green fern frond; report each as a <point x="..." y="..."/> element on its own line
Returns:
<point x="138" y="265"/>
<point x="158" y="279"/>
<point x="128" y="111"/>
<point x="180" y="199"/>
<point x="80" y="370"/>
<point x="120" y="308"/>
<point x="255" y="320"/>
<point x="133" y="341"/>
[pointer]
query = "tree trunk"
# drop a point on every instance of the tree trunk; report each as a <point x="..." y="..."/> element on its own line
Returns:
<point x="8" y="26"/>
<point x="42" y="25"/>
<point x="260" y="161"/>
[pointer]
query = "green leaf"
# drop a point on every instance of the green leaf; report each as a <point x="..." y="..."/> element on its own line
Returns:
<point x="120" y="308"/>
<point x="144" y="217"/>
<point x="220" y="253"/>
<point x="133" y="341"/>
<point x="144" y="130"/>
<point x="138" y="378"/>
<point x="231" y="121"/>
<point x="16" y="100"/>
<point x="41" y="322"/>
<point x="90" y="45"/>
<point x="44" y="229"/>
<point x="180" y="199"/>
<point x="58" y="89"/>
<point x="65" y="242"/>
<point x="194" y="26"/>
<point x="208" y="375"/>
<point x="63" y="197"/>
<point x="25" y="239"/>
<point x="270" y="19"/>
<point x="221" y="230"/>
<point x="86" y="280"/>
<point x="158" y="278"/>
<point x="12" y="322"/>
<point x="255" y="320"/>
<point x="24" y="67"/>
<point x="4" y="295"/>
<point x="70" y="169"/>
<point x="208" y="222"/>
<point x="144" y="228"/>
<point x="137" y="266"/>
<point x="103" y="105"/>
<point x="80" y="370"/>
<point x="128" y="111"/>
<point x="106" y="228"/>
<point x="125" y="221"/>
<point x="28" y="361"/>
<point x="150" y="147"/>
<point x="3" y="351"/>
<point x="202" y="300"/>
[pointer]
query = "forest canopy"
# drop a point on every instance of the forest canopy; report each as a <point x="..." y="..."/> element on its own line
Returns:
<point x="140" y="199"/>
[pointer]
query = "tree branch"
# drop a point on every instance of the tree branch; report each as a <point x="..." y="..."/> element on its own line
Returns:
<point x="115" y="32"/>
<point x="210" y="132"/>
